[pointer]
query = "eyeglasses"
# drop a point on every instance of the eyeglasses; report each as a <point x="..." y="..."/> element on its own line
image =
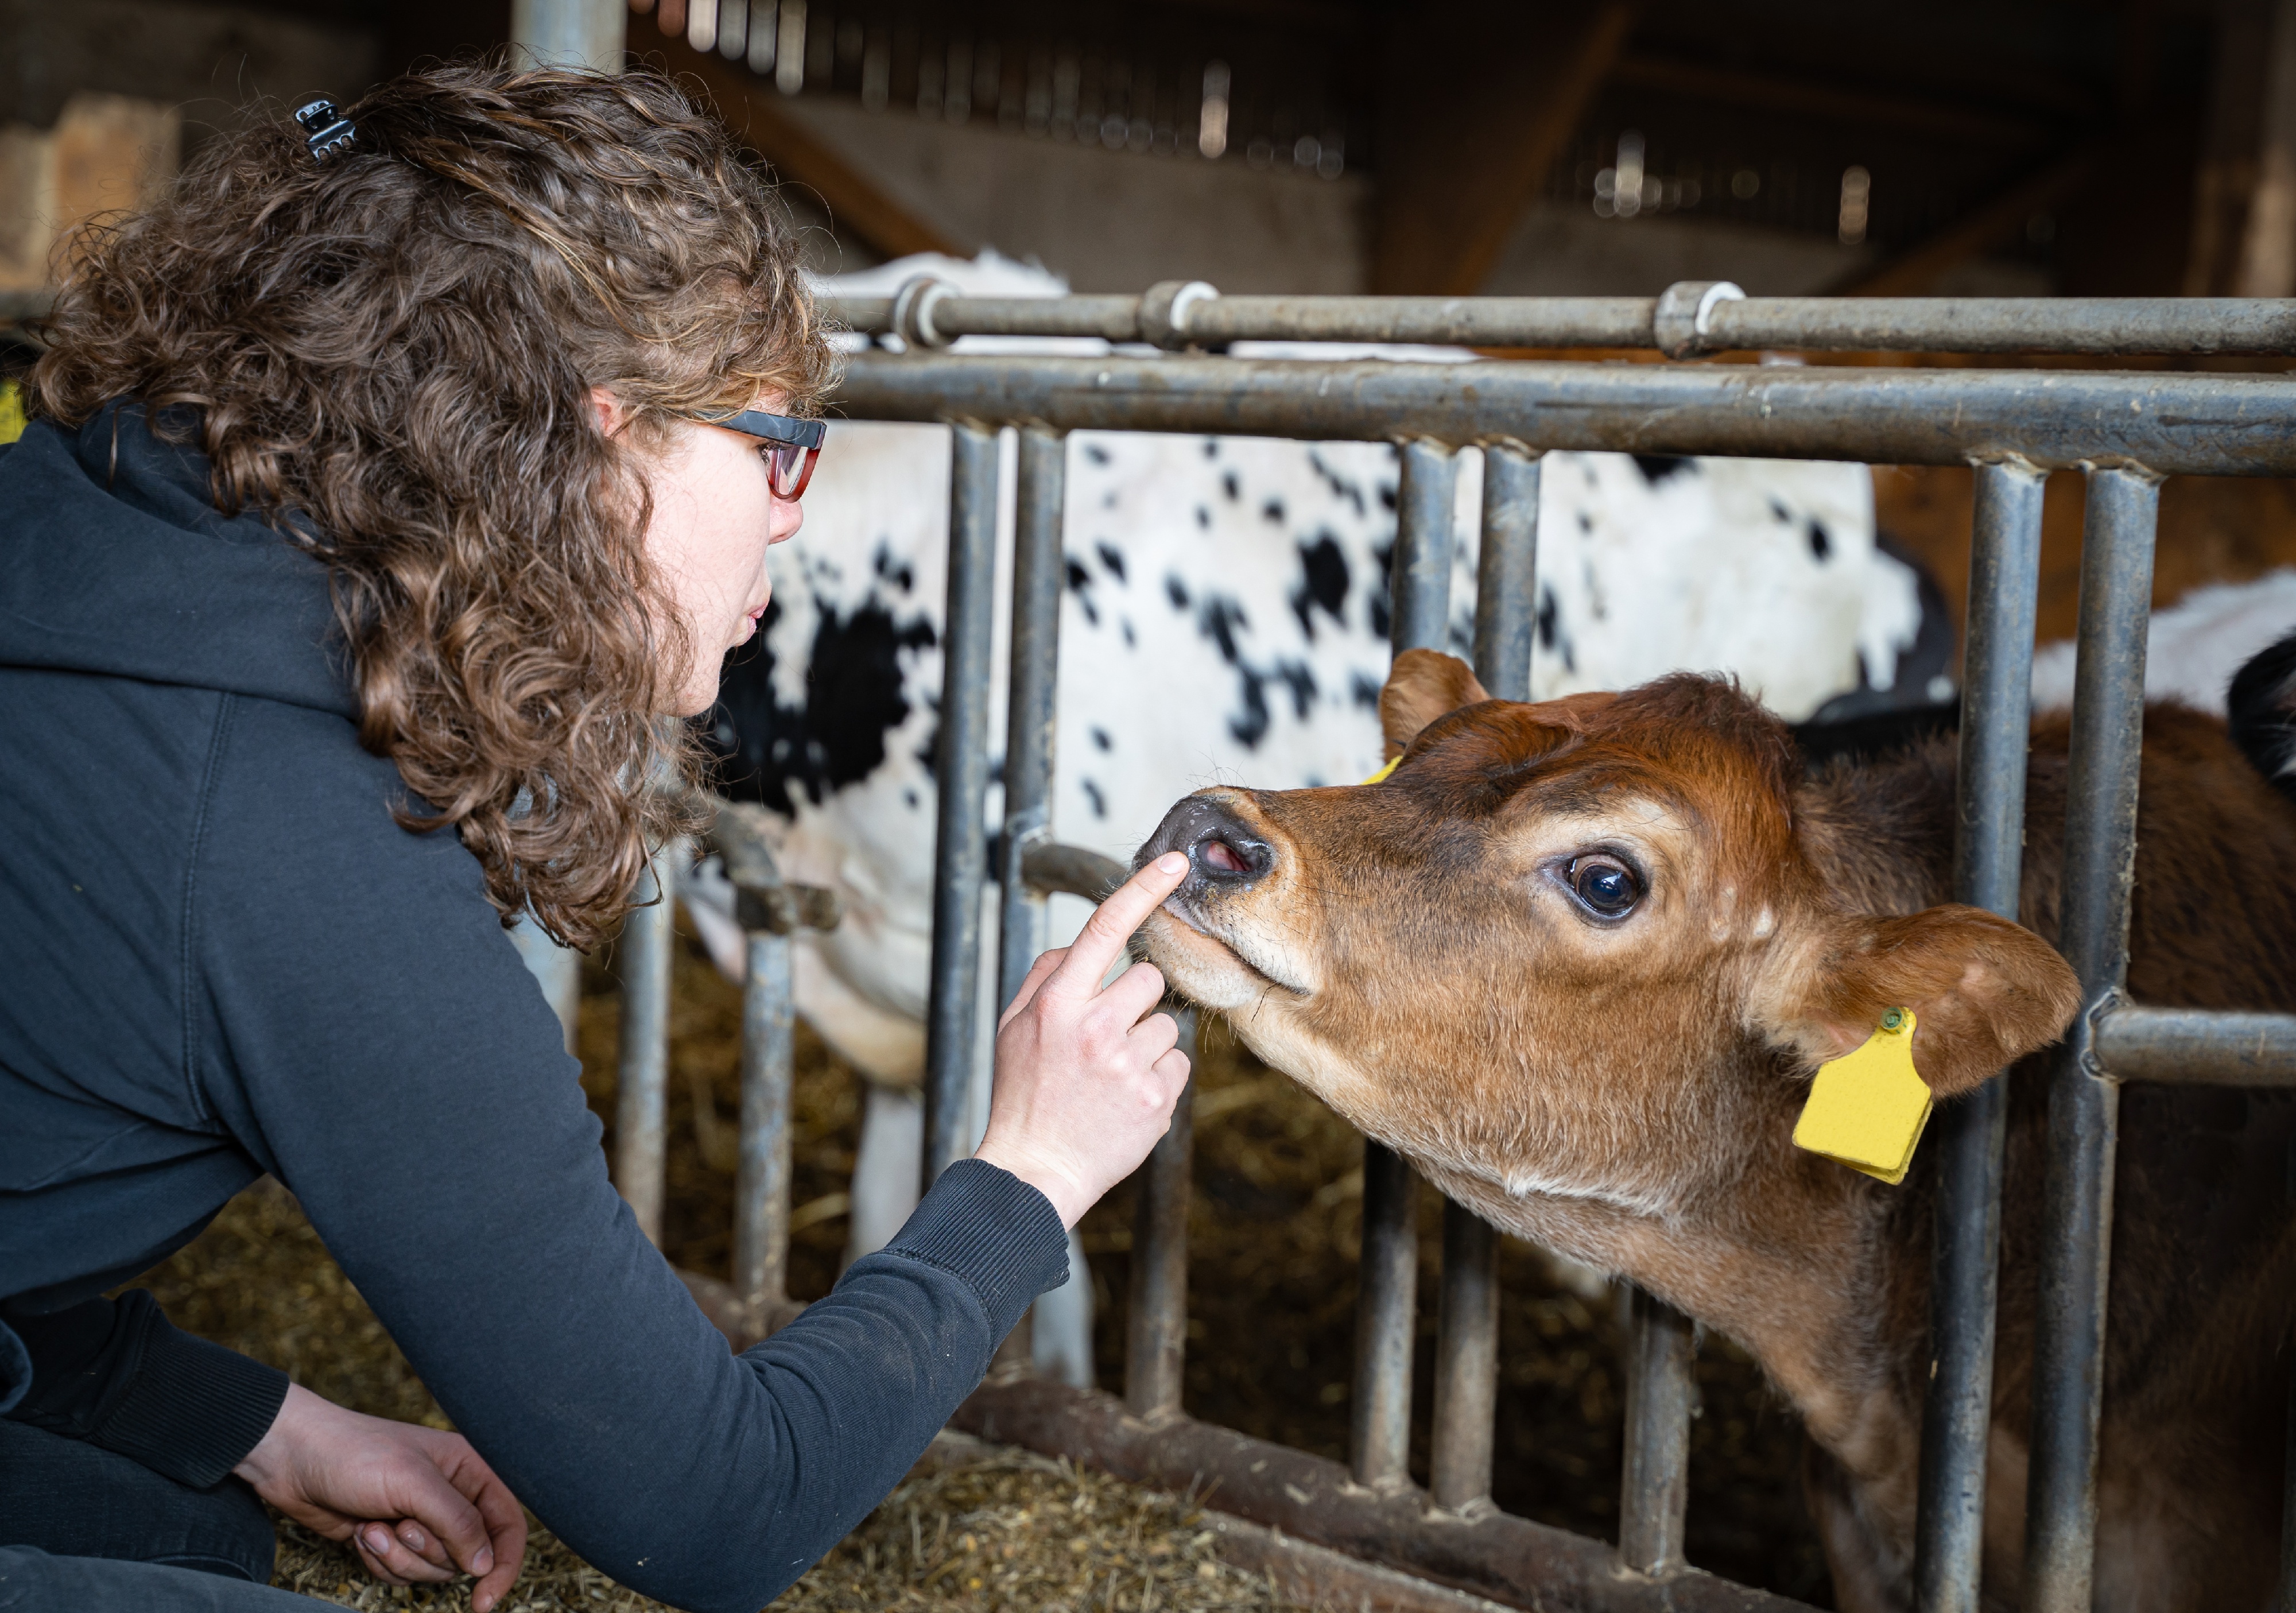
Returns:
<point x="788" y="446"/>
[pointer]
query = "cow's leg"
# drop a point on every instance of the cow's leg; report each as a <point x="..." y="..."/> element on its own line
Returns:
<point x="885" y="1167"/>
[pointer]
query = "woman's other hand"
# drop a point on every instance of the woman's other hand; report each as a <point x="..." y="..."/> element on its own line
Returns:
<point x="1085" y="1083"/>
<point x="418" y="1505"/>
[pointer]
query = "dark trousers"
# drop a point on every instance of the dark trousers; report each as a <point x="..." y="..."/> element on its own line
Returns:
<point x="70" y="1498"/>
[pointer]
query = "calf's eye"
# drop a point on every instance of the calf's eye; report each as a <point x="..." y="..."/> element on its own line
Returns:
<point x="1605" y="885"/>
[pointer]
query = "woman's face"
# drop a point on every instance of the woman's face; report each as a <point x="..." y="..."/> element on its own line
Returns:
<point x="714" y="518"/>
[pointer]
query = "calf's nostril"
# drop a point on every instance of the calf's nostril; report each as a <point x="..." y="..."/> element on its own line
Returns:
<point x="1219" y="854"/>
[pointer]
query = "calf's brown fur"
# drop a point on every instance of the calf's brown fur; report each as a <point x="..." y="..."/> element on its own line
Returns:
<point x="1623" y="1087"/>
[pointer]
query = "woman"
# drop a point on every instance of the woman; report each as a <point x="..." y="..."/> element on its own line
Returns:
<point x="386" y="491"/>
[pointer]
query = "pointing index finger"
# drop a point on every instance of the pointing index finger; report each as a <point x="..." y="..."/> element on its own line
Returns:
<point x="1102" y="940"/>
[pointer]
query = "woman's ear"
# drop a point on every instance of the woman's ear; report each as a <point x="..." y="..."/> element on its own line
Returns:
<point x="612" y="415"/>
<point x="1422" y="686"/>
<point x="1984" y="992"/>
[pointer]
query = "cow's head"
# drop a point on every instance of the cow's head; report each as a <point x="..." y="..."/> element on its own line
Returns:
<point x="1569" y="948"/>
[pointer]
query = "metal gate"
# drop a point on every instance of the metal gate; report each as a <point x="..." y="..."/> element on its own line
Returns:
<point x="2124" y="431"/>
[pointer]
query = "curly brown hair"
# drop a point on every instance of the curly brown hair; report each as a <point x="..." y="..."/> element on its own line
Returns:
<point x="397" y="349"/>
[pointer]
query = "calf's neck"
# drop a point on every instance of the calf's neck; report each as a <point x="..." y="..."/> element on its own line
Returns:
<point x="1578" y="961"/>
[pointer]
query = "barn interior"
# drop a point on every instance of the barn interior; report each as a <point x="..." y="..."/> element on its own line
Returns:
<point x="2016" y="148"/>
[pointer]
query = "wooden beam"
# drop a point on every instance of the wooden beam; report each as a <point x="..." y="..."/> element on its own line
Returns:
<point x="1466" y="138"/>
<point x="2267" y="267"/>
<point x="1760" y="91"/>
<point x="1912" y="273"/>
<point x="750" y="107"/>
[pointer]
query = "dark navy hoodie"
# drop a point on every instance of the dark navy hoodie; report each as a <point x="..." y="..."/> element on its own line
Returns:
<point x="220" y="956"/>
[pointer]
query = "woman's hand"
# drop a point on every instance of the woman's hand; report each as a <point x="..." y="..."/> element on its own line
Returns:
<point x="1085" y="1085"/>
<point x="418" y="1505"/>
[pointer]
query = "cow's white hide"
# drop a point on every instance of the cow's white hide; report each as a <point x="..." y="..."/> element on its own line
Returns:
<point x="2194" y="646"/>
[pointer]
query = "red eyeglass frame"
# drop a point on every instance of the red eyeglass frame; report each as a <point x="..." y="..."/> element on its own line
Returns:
<point x="784" y="441"/>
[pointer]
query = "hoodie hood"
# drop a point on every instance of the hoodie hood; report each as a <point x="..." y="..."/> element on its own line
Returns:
<point x="114" y="561"/>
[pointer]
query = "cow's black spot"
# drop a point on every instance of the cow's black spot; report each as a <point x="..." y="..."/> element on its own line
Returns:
<point x="1301" y="680"/>
<point x="1100" y="737"/>
<point x="1343" y="487"/>
<point x="1175" y="591"/>
<point x="909" y="798"/>
<point x="1095" y="454"/>
<point x="1780" y="511"/>
<point x="1585" y="524"/>
<point x="1131" y="641"/>
<point x="1111" y="557"/>
<point x="1323" y="584"/>
<point x="1387" y="495"/>
<point x="898" y="572"/>
<point x="1273" y="510"/>
<point x="1363" y="689"/>
<point x="1203" y="518"/>
<point x="1820" y="545"/>
<point x="853" y="701"/>
<point x="1233" y="487"/>
<point x="1079" y="580"/>
<point x="1656" y="467"/>
<point x="1211" y="447"/>
<point x="1250" y="726"/>
<point x="1383" y="603"/>
<point x="1092" y="793"/>
<point x="1546" y="611"/>
<point x="1218" y="620"/>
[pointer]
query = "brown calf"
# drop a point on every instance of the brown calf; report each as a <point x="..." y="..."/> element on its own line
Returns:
<point x="1577" y="961"/>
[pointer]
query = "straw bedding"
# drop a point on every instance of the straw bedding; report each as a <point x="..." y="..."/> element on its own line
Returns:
<point x="1272" y="1234"/>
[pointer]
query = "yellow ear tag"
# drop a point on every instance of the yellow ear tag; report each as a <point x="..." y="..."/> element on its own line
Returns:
<point x="1867" y="1108"/>
<point x="1380" y="776"/>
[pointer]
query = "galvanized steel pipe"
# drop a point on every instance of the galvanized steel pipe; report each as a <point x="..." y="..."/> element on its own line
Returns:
<point x="2108" y="730"/>
<point x="1031" y="710"/>
<point x="961" y="768"/>
<point x="1949" y="324"/>
<point x="1655" y="1487"/>
<point x="1996" y="699"/>
<point x="2197" y="1045"/>
<point x="641" y="1089"/>
<point x="1156" y="1319"/>
<point x="761" y="1181"/>
<point x="2174" y="423"/>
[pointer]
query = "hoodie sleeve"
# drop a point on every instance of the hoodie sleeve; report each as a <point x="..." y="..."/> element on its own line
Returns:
<point x="118" y="1374"/>
<point x="373" y="1039"/>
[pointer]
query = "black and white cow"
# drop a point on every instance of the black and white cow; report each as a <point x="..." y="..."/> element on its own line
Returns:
<point x="1225" y="619"/>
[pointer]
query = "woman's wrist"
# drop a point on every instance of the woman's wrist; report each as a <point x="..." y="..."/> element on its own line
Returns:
<point x="1067" y="1197"/>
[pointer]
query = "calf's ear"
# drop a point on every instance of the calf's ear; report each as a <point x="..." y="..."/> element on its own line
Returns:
<point x="1422" y="686"/>
<point x="1984" y="992"/>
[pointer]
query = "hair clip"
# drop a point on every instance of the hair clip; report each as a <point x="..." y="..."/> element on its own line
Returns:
<point x="326" y="132"/>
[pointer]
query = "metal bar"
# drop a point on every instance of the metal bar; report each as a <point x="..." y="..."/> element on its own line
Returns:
<point x="1378" y="1432"/>
<point x="1955" y="325"/>
<point x="1030" y="709"/>
<point x="1511" y="1560"/>
<point x="1654" y="1494"/>
<point x="1466" y="1362"/>
<point x="961" y="767"/>
<point x="761" y="1183"/>
<point x="1419" y="580"/>
<point x="642" y="1089"/>
<point x="2173" y="422"/>
<point x="2192" y="1044"/>
<point x="1049" y="866"/>
<point x="1467" y="1322"/>
<point x="2076" y="1192"/>
<point x="1506" y="572"/>
<point x="1156" y="1330"/>
<point x="1996" y="699"/>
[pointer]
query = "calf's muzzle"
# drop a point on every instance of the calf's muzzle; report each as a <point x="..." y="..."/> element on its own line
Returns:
<point x="1224" y="854"/>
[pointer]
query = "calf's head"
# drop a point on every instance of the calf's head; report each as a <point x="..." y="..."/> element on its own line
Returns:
<point x="1576" y="949"/>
